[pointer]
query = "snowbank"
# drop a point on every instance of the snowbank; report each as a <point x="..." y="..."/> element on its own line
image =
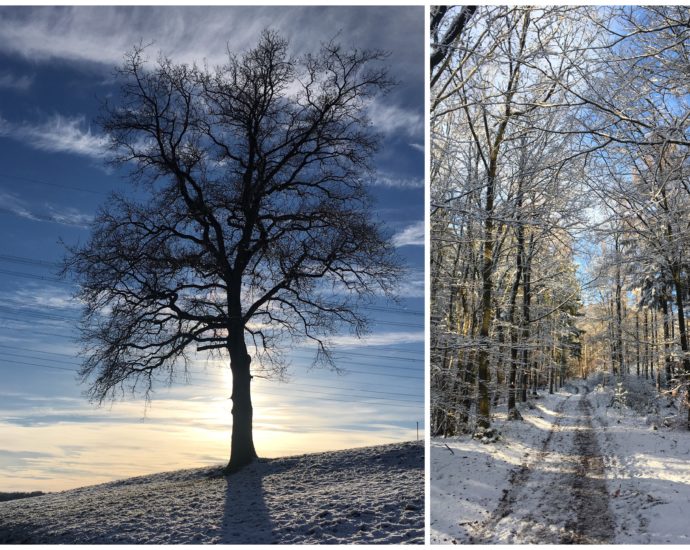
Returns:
<point x="368" y="495"/>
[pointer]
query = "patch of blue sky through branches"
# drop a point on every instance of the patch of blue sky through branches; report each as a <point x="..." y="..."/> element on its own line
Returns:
<point x="56" y="66"/>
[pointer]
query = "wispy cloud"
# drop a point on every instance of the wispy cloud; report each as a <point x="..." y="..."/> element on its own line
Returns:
<point x="58" y="134"/>
<point x="380" y="339"/>
<point x="69" y="216"/>
<point x="391" y="180"/>
<point x="393" y="119"/>
<point x="412" y="235"/>
<point x="412" y="288"/>
<point x="417" y="146"/>
<point x="12" y="204"/>
<point x="102" y="34"/>
<point x="10" y="81"/>
<point x="35" y="296"/>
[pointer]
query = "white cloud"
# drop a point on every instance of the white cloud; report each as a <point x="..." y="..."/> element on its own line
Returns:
<point x="390" y="180"/>
<point x="36" y="297"/>
<point x="380" y="339"/>
<point x="412" y="288"/>
<point x="102" y="34"/>
<point x="392" y="119"/>
<point x="58" y="134"/>
<point x="12" y="204"/>
<point x="13" y="82"/>
<point x="69" y="216"/>
<point x="412" y="235"/>
<point x="417" y="146"/>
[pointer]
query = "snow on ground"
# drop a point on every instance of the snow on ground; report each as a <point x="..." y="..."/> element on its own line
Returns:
<point x="648" y="465"/>
<point x="368" y="495"/>
<point x="577" y="469"/>
<point x="469" y="479"/>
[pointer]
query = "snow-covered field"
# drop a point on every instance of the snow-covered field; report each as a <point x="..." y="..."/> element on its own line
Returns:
<point x="576" y="470"/>
<point x="368" y="495"/>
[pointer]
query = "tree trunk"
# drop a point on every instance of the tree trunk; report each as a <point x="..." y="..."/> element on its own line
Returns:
<point x="526" y="304"/>
<point x="655" y="346"/>
<point x="637" y="340"/>
<point x="680" y="308"/>
<point x="667" y="354"/>
<point x="242" y="450"/>
<point x="619" y="313"/>
<point x="512" y="384"/>
<point x="564" y="365"/>
<point x="484" y="372"/>
<point x="646" y="344"/>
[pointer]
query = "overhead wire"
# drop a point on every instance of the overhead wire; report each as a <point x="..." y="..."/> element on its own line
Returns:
<point x="259" y="391"/>
<point x="212" y="377"/>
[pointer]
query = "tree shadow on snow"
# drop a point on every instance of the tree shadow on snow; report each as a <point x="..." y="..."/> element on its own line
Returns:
<point x="247" y="519"/>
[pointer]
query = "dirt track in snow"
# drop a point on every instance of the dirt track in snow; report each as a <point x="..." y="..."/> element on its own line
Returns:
<point x="560" y="495"/>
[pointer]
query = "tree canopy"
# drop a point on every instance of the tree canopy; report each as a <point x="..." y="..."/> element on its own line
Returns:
<point x="251" y="227"/>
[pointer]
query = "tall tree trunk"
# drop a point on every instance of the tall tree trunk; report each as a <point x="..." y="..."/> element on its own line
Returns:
<point x="512" y="382"/>
<point x="242" y="450"/>
<point x="491" y="164"/>
<point x="552" y="360"/>
<point x="483" y="371"/>
<point x="526" y="311"/>
<point x="619" y="312"/>
<point x="564" y="365"/>
<point x="469" y="382"/>
<point x="500" y="378"/>
<point x="667" y="336"/>
<point x="680" y="308"/>
<point x="637" y="340"/>
<point x="655" y="345"/>
<point x="646" y="344"/>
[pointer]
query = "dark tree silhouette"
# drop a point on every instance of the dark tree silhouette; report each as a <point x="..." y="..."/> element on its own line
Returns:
<point x="254" y="230"/>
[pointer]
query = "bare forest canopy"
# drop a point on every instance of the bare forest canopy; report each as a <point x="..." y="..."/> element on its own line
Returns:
<point x="560" y="195"/>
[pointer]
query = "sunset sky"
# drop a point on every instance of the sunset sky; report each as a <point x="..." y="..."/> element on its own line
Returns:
<point x="56" y="67"/>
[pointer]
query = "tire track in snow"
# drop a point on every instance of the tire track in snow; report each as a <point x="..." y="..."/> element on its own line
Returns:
<point x="561" y="495"/>
<point x="594" y="523"/>
<point x="518" y="478"/>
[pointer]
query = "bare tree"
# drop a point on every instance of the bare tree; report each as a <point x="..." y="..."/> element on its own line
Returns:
<point x="255" y="226"/>
<point x="505" y="171"/>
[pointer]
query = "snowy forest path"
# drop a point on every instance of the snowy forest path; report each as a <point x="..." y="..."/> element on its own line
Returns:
<point x="560" y="495"/>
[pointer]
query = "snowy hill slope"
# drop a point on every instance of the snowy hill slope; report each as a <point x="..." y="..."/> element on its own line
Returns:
<point x="368" y="495"/>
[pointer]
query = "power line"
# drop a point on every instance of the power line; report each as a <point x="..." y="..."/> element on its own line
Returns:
<point x="46" y="263"/>
<point x="35" y="332"/>
<point x="64" y="318"/>
<point x="383" y="348"/>
<point x="192" y="372"/>
<point x="37" y="314"/>
<point x="394" y="310"/>
<point x="34" y="276"/>
<point x="259" y="391"/>
<point x="29" y="261"/>
<point x="51" y="317"/>
<point x="344" y="364"/>
<point x="71" y="356"/>
<point x="53" y="184"/>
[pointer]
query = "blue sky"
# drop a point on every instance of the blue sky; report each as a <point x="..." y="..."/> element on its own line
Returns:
<point x="56" y="65"/>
